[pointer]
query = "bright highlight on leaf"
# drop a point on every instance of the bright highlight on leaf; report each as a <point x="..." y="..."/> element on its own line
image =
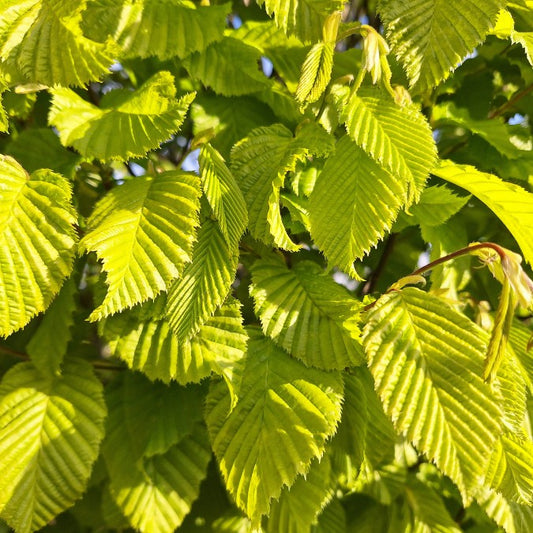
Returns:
<point x="431" y="37"/>
<point x="283" y="417"/>
<point x="37" y="241"/>
<point x="127" y="124"/>
<point x="50" y="433"/>
<point x="307" y="313"/>
<point x="427" y="360"/>
<point x="143" y="232"/>
<point x="45" y="40"/>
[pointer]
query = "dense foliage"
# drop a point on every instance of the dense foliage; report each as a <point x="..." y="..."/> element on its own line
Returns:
<point x="261" y="266"/>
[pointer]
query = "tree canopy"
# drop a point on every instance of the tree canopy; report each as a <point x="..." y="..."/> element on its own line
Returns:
<point x="264" y="266"/>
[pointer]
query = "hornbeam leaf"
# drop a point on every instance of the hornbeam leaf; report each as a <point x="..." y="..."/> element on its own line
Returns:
<point x="427" y="361"/>
<point x="399" y="138"/>
<point x="149" y="345"/>
<point x="283" y="417"/>
<point x="46" y="42"/>
<point x="298" y="507"/>
<point x="168" y="28"/>
<point x="509" y="202"/>
<point x="166" y="483"/>
<point x="430" y="37"/>
<point x="223" y="194"/>
<point x="37" y="241"/>
<point x="354" y="203"/>
<point x="50" y="432"/>
<point x="307" y="313"/>
<point x="260" y="162"/>
<point x="127" y="124"/>
<point x="204" y="284"/>
<point x="303" y="18"/>
<point x="48" y="345"/>
<point x="512" y="517"/>
<point x="143" y="232"/>
<point x="229" y="67"/>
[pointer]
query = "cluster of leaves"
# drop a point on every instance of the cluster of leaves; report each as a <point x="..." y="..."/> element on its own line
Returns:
<point x="210" y="214"/>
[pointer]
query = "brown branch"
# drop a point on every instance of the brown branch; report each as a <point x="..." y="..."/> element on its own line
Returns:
<point x="518" y="96"/>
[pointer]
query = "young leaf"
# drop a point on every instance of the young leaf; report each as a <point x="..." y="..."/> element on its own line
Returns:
<point x="284" y="415"/>
<point x="50" y="432"/>
<point x="149" y="345"/>
<point x="127" y="124"/>
<point x="167" y="29"/>
<point x="509" y="202"/>
<point x="204" y="284"/>
<point x="430" y="37"/>
<point x="37" y="241"/>
<point x="303" y="18"/>
<point x="307" y="313"/>
<point x="48" y="345"/>
<point x="260" y="163"/>
<point x="229" y="67"/>
<point x="143" y="232"/>
<point x="353" y="204"/>
<point x="426" y="360"/>
<point x="45" y="40"/>
<point x="316" y="70"/>
<point x="223" y="194"/>
<point x="399" y="138"/>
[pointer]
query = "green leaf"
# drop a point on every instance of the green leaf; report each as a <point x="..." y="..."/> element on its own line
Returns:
<point x="493" y="130"/>
<point x="427" y="361"/>
<point x="509" y="202"/>
<point x="318" y="64"/>
<point x="303" y="18"/>
<point x="40" y="148"/>
<point x="304" y="311"/>
<point x="283" y="417"/>
<point x="513" y="517"/>
<point x="167" y="29"/>
<point x="204" y="284"/>
<point x="154" y="492"/>
<point x="45" y="40"/>
<point x="437" y="204"/>
<point x="430" y="37"/>
<point x="149" y="345"/>
<point x="143" y="232"/>
<point x="127" y="124"/>
<point x="260" y="161"/>
<point x="229" y="67"/>
<point x="37" y="241"/>
<point x="298" y="507"/>
<point x="399" y="138"/>
<point x="50" y="432"/>
<point x="48" y="344"/>
<point x="223" y="194"/>
<point x="230" y="118"/>
<point x="332" y="519"/>
<point x="353" y="205"/>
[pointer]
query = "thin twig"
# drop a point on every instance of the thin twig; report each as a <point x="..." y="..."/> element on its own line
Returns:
<point x="518" y="96"/>
<point x="373" y="279"/>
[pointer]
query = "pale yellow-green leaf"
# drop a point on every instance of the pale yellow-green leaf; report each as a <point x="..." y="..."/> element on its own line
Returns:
<point x="303" y="18"/>
<point x="512" y="204"/>
<point x="353" y="205"/>
<point x="223" y="194"/>
<point x="398" y="137"/>
<point x="50" y="433"/>
<point x="143" y="232"/>
<point x="303" y="310"/>
<point x="126" y="124"/>
<point x="44" y="39"/>
<point x="204" y="284"/>
<point x="37" y="241"/>
<point x="431" y="37"/>
<point x="427" y="361"/>
<point x="283" y="417"/>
